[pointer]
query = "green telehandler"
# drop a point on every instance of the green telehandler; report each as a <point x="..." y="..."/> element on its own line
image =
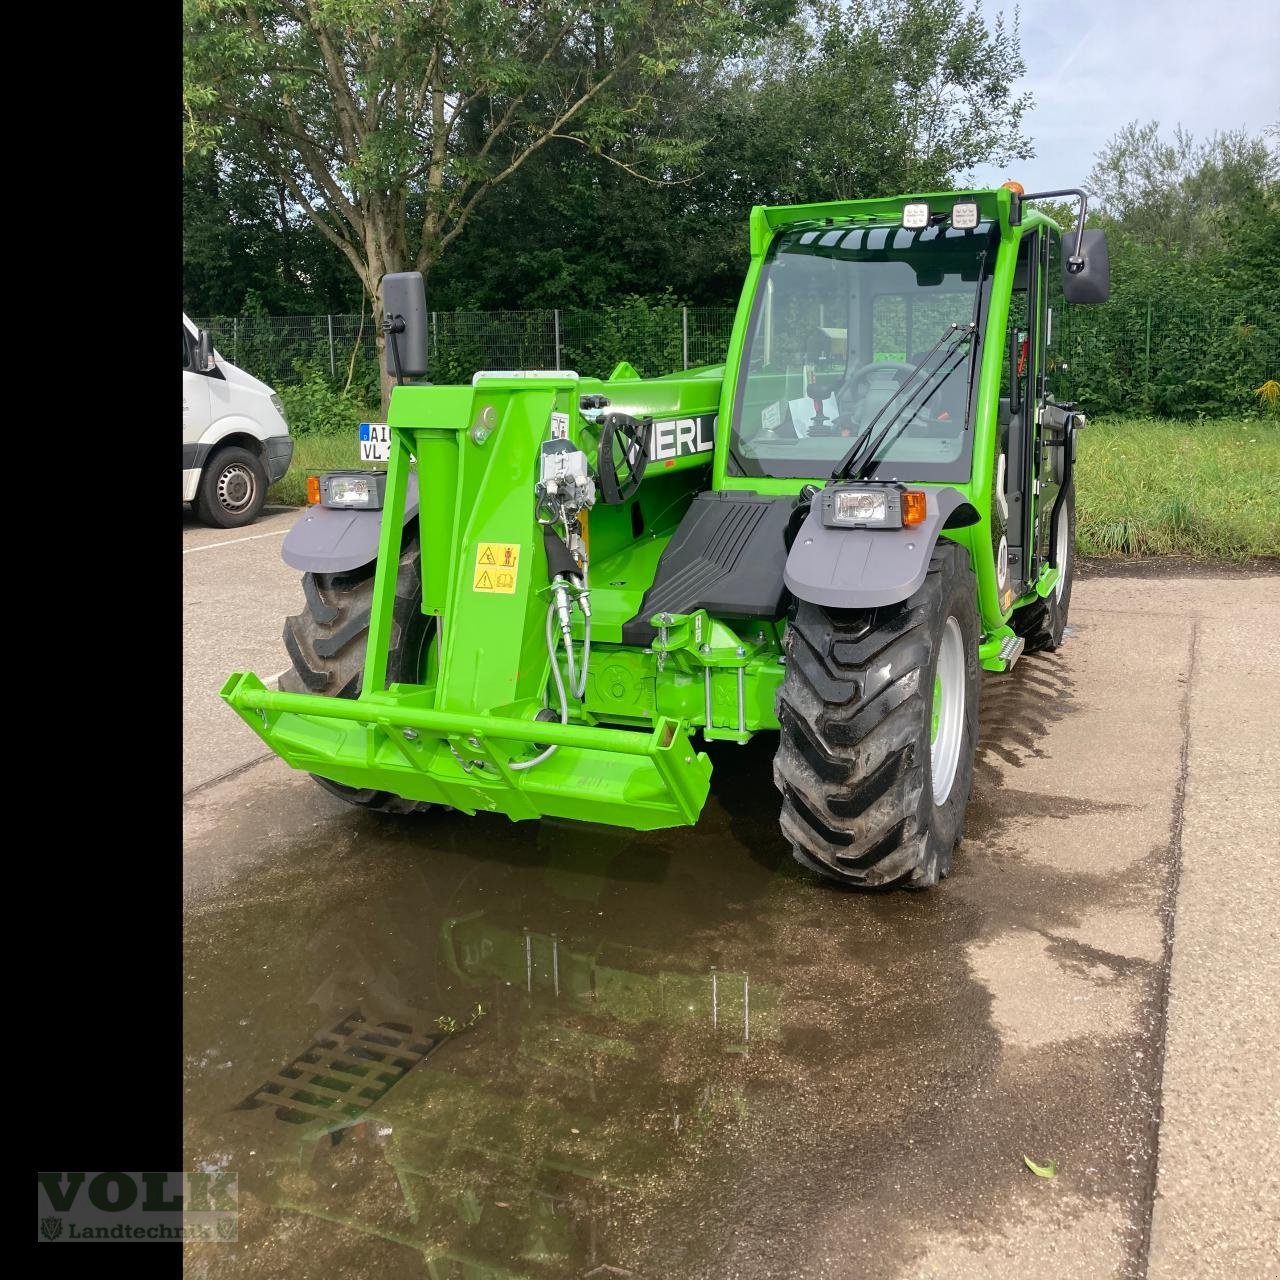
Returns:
<point x="559" y="581"/>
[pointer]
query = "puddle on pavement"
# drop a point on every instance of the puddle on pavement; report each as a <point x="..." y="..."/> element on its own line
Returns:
<point x="454" y="1047"/>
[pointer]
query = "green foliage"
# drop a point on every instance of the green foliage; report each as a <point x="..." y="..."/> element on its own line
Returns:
<point x="1200" y="489"/>
<point x="646" y="332"/>
<point x="1182" y="191"/>
<point x="389" y="124"/>
<point x="707" y="110"/>
<point x="314" y="406"/>
<point x="870" y="97"/>
<point x="242" y="237"/>
<point x="1192" y="328"/>
<point x="1184" y="334"/>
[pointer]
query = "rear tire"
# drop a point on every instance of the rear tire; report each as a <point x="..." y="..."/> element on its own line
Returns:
<point x="1043" y="623"/>
<point x="326" y="644"/>
<point x="859" y="742"/>
<point x="232" y="489"/>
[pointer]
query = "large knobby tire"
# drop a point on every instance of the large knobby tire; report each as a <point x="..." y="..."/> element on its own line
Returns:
<point x="860" y="739"/>
<point x="1043" y="623"/>
<point x="326" y="645"/>
<point x="232" y="489"/>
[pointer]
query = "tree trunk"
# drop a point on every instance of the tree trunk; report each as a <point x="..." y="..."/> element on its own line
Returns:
<point x="386" y="381"/>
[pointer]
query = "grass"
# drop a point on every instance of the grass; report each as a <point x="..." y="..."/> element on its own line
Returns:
<point x="1145" y="486"/>
<point x="311" y="455"/>
<point x="1207" y="490"/>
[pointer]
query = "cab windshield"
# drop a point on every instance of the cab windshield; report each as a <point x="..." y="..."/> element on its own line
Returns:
<point x="842" y="318"/>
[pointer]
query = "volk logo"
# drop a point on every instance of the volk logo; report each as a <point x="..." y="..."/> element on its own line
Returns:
<point x="137" y="1206"/>
<point x="680" y="437"/>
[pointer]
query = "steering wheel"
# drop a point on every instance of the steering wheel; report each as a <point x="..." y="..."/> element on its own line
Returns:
<point x="878" y="366"/>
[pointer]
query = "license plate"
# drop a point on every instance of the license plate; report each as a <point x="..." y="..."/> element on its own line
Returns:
<point x="375" y="442"/>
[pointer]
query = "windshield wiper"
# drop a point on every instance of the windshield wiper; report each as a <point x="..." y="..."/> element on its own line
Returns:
<point x="901" y="421"/>
<point x="854" y="462"/>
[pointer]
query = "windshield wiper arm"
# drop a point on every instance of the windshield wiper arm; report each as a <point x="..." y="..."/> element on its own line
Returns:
<point x="901" y="421"/>
<point x="920" y="377"/>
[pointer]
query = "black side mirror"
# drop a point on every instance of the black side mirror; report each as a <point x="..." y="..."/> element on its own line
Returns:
<point x="622" y="456"/>
<point x="404" y="309"/>
<point x="204" y="352"/>
<point x="1091" y="281"/>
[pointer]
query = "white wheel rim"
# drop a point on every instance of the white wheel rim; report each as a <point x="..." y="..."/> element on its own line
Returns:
<point x="946" y="714"/>
<point x="1062" y="533"/>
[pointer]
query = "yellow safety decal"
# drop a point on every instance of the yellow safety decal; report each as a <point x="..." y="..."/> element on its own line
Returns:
<point x="496" y="566"/>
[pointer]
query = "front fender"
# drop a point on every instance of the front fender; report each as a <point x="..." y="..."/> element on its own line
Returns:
<point x="866" y="568"/>
<point x="332" y="540"/>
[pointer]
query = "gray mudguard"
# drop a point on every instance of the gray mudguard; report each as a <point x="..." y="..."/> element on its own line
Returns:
<point x="865" y="568"/>
<point x="330" y="540"/>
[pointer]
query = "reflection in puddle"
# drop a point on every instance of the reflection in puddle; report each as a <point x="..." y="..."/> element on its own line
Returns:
<point x="465" y="1048"/>
<point x="503" y="1090"/>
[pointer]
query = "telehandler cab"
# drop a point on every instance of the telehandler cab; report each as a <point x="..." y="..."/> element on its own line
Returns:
<point x="558" y="582"/>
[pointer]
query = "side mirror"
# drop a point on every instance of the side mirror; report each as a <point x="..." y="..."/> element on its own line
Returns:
<point x="404" y="309"/>
<point x="204" y="352"/>
<point x="1092" y="281"/>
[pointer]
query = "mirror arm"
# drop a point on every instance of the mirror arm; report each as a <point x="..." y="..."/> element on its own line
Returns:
<point x="392" y="326"/>
<point x="1075" y="262"/>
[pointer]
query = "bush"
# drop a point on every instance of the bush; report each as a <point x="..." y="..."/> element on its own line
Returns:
<point x="314" y="406"/>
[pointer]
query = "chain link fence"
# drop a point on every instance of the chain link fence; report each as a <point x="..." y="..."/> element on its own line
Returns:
<point x="655" y="339"/>
<point x="1127" y="356"/>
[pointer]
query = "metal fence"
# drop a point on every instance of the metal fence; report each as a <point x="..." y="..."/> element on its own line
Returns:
<point x="655" y="339"/>
<point x="1130" y="355"/>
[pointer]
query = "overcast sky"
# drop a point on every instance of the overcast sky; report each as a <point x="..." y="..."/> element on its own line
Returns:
<point x="1094" y="65"/>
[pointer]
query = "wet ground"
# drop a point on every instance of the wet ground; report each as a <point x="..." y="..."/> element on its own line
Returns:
<point x="459" y="1047"/>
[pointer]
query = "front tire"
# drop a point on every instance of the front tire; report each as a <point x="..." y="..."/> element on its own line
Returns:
<point x="879" y="722"/>
<point x="232" y="489"/>
<point x="326" y="644"/>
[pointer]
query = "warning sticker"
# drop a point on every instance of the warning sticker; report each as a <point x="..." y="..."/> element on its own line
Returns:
<point x="496" y="565"/>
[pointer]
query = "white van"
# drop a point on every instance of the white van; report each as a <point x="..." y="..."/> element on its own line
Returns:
<point x="235" y="441"/>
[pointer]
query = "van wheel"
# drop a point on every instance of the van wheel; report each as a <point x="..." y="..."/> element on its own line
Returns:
<point x="232" y="490"/>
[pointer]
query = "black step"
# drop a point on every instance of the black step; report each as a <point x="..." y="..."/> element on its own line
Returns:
<point x="726" y="557"/>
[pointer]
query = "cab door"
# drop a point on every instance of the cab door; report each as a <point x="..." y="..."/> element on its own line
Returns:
<point x="1019" y="405"/>
<point x="1050" y="435"/>
<point x="195" y="397"/>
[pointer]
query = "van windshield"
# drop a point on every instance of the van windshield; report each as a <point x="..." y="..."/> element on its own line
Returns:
<point x="840" y="318"/>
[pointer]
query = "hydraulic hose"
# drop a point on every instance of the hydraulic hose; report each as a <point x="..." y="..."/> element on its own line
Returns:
<point x="577" y="686"/>
<point x="552" y="645"/>
<point x="560" y="606"/>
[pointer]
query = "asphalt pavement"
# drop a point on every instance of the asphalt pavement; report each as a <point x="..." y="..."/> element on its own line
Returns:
<point x="676" y="1055"/>
<point x="236" y="593"/>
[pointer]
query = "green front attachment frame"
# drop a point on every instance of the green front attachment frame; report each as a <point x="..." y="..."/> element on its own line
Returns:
<point x="453" y="739"/>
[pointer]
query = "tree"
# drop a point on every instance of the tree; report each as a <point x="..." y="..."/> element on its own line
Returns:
<point x="390" y="122"/>
<point x="861" y="98"/>
<point x="1183" y="192"/>
<point x="244" y="238"/>
<point x="871" y="97"/>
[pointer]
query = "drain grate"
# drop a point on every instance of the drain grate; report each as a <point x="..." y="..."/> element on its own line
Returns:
<point x="344" y="1071"/>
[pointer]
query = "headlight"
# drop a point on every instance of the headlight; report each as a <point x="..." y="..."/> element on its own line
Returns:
<point x="872" y="506"/>
<point x="353" y="489"/>
<point x="862" y="506"/>
<point x="278" y="405"/>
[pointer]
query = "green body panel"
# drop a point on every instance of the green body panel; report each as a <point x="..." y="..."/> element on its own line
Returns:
<point x="626" y="757"/>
